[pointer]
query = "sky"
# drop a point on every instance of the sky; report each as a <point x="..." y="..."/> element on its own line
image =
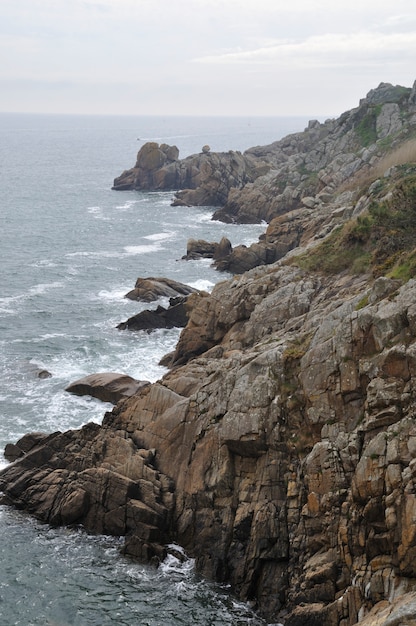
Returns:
<point x="202" y="57"/>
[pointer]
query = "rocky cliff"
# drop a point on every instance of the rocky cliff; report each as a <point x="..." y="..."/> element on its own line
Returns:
<point x="301" y="170"/>
<point x="280" y="448"/>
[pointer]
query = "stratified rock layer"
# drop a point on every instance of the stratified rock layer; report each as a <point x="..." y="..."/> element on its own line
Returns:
<point x="150" y="289"/>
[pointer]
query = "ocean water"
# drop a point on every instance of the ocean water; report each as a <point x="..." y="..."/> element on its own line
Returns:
<point x="71" y="248"/>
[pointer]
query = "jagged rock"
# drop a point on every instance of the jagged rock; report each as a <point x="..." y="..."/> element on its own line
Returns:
<point x="386" y="93"/>
<point x="400" y="612"/>
<point x="175" y="316"/>
<point x="199" y="248"/>
<point x="107" y="484"/>
<point x="299" y="170"/>
<point x="25" y="444"/>
<point x="107" y="386"/>
<point x="280" y="449"/>
<point x="150" y="289"/>
<point x="265" y="433"/>
<point x="204" y="179"/>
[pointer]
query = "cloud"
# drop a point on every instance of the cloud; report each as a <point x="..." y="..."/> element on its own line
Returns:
<point x="329" y="50"/>
<point x="221" y="56"/>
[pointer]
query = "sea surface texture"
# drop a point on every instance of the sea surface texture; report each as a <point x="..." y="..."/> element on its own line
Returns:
<point x="71" y="248"/>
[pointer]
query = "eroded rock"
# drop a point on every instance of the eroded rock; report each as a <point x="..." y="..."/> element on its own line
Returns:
<point x="150" y="289"/>
<point x="107" y="386"/>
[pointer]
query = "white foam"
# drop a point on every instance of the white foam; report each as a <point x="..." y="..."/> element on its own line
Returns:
<point x="172" y="565"/>
<point x="43" y="263"/>
<point x="143" y="249"/>
<point x="98" y="213"/>
<point x="41" y="288"/>
<point x="38" y="339"/>
<point x="127" y="205"/>
<point x="116" y="294"/>
<point x="97" y="255"/>
<point x="202" y="285"/>
<point x="159" y="236"/>
<point x="6" y="303"/>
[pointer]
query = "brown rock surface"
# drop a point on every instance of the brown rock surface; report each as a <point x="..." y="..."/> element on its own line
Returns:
<point x="203" y="179"/>
<point x="107" y="386"/>
<point x="280" y="449"/>
<point x="289" y="441"/>
<point x="150" y="289"/>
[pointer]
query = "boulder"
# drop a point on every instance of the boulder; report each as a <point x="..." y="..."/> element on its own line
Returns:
<point x="150" y="289"/>
<point x="199" y="248"/>
<point x="175" y="316"/>
<point x="107" y="386"/>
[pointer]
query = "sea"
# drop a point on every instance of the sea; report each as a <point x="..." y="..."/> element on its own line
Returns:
<point x="70" y="249"/>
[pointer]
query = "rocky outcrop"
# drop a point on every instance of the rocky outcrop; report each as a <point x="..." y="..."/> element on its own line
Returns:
<point x="107" y="386"/>
<point x="175" y="316"/>
<point x="203" y="179"/>
<point x="308" y="167"/>
<point x="150" y="289"/>
<point x="280" y="448"/>
<point x="301" y="170"/>
<point x="201" y="249"/>
<point x="98" y="479"/>
<point x="13" y="451"/>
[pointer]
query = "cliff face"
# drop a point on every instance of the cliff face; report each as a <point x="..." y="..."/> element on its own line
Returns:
<point x="280" y="449"/>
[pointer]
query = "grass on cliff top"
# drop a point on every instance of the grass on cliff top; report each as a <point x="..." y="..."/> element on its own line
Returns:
<point x="382" y="241"/>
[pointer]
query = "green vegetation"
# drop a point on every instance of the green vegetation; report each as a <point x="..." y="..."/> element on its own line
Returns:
<point x="362" y="303"/>
<point x="367" y="128"/>
<point x="383" y="241"/>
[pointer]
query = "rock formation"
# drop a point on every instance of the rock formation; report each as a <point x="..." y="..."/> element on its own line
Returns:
<point x="203" y="179"/>
<point x="150" y="289"/>
<point x="200" y="249"/>
<point x="302" y="170"/>
<point x="280" y="448"/>
<point x="175" y="316"/>
<point x="107" y="386"/>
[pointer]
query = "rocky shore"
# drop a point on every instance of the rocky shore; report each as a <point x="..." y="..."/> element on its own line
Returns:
<point x="280" y="448"/>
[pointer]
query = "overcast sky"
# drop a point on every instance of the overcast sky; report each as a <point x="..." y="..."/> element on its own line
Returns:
<point x="202" y="57"/>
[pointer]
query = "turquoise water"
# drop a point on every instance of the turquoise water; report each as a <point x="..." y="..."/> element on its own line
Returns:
<point x="70" y="249"/>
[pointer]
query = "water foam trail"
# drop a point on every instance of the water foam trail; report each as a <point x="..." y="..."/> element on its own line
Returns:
<point x="160" y="236"/>
<point x="142" y="249"/>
